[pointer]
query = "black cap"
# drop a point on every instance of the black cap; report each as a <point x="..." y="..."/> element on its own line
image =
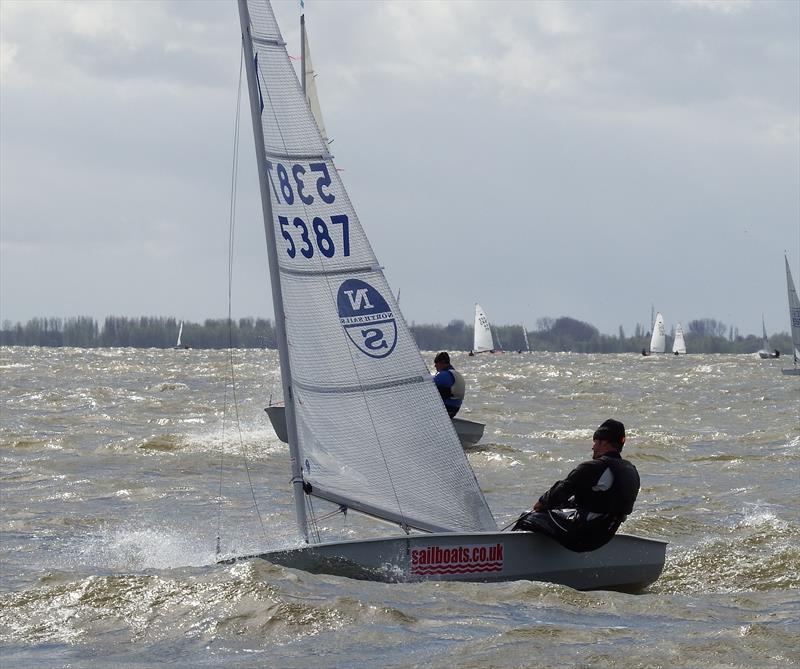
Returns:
<point x="610" y="430"/>
<point x="442" y="357"/>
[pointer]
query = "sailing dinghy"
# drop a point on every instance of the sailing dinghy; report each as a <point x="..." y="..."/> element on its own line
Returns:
<point x="366" y="427"/>
<point x="765" y="353"/>
<point x="178" y="344"/>
<point x="794" y="321"/>
<point x="679" y="343"/>
<point x="658" y="340"/>
<point x="482" y="337"/>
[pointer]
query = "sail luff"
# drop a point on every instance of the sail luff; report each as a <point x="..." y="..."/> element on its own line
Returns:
<point x="272" y="255"/>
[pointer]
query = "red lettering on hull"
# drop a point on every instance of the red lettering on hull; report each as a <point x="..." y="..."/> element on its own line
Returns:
<point x="472" y="559"/>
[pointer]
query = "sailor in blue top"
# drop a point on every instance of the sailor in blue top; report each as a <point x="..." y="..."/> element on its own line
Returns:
<point x="449" y="383"/>
<point x="583" y="511"/>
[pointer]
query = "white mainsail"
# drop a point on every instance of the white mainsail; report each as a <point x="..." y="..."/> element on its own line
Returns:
<point x="658" y="340"/>
<point x="525" y="337"/>
<point x="794" y="312"/>
<point x="180" y="332"/>
<point x="679" y="344"/>
<point x="483" y="332"/>
<point x="366" y="426"/>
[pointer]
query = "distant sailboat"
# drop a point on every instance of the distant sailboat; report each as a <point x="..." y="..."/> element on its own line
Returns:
<point x="658" y="340"/>
<point x="497" y="339"/>
<point x="482" y="340"/>
<point x="525" y="338"/>
<point x="765" y="353"/>
<point x="794" y="320"/>
<point x="679" y="344"/>
<point x="178" y="343"/>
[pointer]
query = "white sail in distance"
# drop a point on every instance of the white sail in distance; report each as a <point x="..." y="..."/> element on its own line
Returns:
<point x="679" y="344"/>
<point x="483" y="332"/>
<point x="658" y="340"/>
<point x="364" y="418"/>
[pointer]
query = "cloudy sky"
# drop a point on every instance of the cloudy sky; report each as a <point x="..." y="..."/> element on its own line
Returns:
<point x="589" y="159"/>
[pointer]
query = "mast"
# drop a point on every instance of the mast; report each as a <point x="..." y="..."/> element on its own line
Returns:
<point x="272" y="254"/>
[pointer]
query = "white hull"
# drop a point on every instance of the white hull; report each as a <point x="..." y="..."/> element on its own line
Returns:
<point x="626" y="563"/>
<point x="469" y="432"/>
<point x="767" y="355"/>
<point x="792" y="371"/>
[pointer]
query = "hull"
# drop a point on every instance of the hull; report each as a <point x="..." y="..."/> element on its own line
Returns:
<point x="791" y="371"/>
<point x="627" y="563"/>
<point x="469" y="432"/>
<point x="766" y="355"/>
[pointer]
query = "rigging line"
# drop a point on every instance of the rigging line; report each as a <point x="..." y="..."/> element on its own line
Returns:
<point x="231" y="219"/>
<point x="231" y="237"/>
<point x="311" y="515"/>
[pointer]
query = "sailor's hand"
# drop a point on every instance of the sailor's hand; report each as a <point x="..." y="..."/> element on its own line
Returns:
<point x="538" y="507"/>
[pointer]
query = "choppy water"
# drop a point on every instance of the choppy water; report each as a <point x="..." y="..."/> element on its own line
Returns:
<point x="111" y="464"/>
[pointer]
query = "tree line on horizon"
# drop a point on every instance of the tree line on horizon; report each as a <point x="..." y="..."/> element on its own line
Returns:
<point x="557" y="335"/>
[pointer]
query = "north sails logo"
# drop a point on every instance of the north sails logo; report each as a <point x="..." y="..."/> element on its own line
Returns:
<point x="457" y="559"/>
<point x="367" y="318"/>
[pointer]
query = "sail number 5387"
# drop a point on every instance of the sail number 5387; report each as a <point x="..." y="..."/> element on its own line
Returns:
<point x="300" y="238"/>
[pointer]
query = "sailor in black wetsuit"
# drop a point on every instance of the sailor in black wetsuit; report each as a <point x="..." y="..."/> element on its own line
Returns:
<point x="583" y="511"/>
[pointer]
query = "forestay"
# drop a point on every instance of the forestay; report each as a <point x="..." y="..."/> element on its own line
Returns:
<point x="372" y="433"/>
<point x="483" y="332"/>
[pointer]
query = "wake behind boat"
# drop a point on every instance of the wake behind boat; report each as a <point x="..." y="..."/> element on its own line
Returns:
<point x="366" y="428"/>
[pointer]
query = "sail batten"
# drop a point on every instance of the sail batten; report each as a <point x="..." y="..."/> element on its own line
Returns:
<point x="299" y="156"/>
<point x="369" y="427"/>
<point x="362" y="388"/>
<point x="326" y="272"/>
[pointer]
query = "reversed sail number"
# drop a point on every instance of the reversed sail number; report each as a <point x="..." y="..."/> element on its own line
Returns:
<point x="286" y="192"/>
